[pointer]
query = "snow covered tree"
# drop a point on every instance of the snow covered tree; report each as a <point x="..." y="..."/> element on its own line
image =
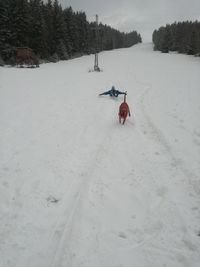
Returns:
<point x="183" y="37"/>
<point x="20" y="22"/>
<point x="6" y="33"/>
<point x="38" y="29"/>
<point x="53" y="33"/>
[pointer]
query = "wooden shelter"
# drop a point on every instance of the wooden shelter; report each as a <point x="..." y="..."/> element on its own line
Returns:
<point x="26" y="57"/>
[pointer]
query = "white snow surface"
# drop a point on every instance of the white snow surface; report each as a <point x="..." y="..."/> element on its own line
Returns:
<point x="78" y="189"/>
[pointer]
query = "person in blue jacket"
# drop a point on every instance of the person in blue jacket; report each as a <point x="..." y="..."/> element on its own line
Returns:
<point x="113" y="92"/>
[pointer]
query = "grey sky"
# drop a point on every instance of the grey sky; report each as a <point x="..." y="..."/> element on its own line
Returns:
<point x="141" y="15"/>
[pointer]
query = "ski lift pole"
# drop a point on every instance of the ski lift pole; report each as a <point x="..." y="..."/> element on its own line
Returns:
<point x="96" y="63"/>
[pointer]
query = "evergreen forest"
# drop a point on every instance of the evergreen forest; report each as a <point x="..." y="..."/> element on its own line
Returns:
<point x="183" y="37"/>
<point x="54" y="33"/>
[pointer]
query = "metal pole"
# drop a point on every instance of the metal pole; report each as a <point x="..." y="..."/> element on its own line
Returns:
<point x="96" y="67"/>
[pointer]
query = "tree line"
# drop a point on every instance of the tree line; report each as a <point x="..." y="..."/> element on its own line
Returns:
<point x="183" y="37"/>
<point x="54" y="33"/>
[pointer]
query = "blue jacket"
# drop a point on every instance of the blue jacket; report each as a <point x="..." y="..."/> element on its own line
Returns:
<point x="113" y="92"/>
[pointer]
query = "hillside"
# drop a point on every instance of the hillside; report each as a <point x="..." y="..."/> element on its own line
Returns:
<point x="79" y="189"/>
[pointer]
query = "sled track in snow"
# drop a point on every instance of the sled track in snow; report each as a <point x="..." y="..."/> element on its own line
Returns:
<point x="158" y="136"/>
<point x="59" y="251"/>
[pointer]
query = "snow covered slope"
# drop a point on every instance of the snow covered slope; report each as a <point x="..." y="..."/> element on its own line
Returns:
<point x="79" y="189"/>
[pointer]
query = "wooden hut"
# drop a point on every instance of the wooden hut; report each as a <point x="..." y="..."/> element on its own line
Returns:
<point x="25" y="57"/>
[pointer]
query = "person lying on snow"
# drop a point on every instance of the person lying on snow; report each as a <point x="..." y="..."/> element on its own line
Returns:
<point x="113" y="92"/>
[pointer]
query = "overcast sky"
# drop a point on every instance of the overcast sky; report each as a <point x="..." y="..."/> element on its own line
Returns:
<point x="144" y="16"/>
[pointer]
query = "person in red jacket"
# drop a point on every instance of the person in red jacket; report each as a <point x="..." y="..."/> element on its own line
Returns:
<point x="124" y="111"/>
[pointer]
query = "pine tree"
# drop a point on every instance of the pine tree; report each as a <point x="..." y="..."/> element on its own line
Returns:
<point x="183" y="37"/>
<point x="7" y="32"/>
<point x="54" y="33"/>
<point x="4" y="29"/>
<point x="21" y="22"/>
<point x="82" y="30"/>
<point x="68" y="38"/>
<point x="166" y="40"/>
<point x="37" y="29"/>
<point x="48" y="19"/>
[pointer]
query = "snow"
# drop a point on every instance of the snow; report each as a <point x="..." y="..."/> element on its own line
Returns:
<point x="79" y="189"/>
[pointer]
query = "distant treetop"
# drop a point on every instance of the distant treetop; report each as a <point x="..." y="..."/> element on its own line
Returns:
<point x="183" y="37"/>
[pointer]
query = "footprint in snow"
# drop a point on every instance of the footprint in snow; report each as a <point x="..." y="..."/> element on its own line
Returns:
<point x="52" y="199"/>
<point x="122" y="235"/>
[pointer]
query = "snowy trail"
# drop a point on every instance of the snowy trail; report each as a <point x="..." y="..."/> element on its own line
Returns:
<point x="77" y="188"/>
<point x="78" y="194"/>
